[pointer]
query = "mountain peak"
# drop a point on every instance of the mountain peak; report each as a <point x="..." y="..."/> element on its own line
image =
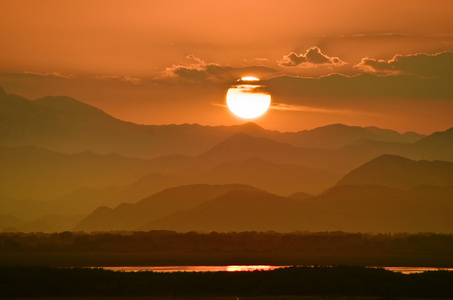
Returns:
<point x="251" y="125"/>
<point x="390" y="158"/>
<point x="244" y="145"/>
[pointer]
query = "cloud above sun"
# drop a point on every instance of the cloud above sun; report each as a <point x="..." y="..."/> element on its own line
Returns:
<point x="198" y="70"/>
<point x="312" y="57"/>
<point x="438" y="65"/>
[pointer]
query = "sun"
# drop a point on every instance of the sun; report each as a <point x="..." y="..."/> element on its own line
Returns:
<point x="249" y="78"/>
<point x="248" y="100"/>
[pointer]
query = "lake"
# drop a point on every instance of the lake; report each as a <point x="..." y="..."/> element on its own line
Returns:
<point x="247" y="268"/>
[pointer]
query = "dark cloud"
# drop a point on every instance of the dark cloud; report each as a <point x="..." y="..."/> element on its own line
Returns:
<point x="313" y="91"/>
<point x="313" y="56"/>
<point x="199" y="70"/>
<point x="438" y="65"/>
<point x="251" y="88"/>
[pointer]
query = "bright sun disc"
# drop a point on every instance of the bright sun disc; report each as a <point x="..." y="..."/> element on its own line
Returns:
<point x="248" y="101"/>
<point x="249" y="78"/>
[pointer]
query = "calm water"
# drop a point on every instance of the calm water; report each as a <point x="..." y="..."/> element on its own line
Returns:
<point x="244" y="268"/>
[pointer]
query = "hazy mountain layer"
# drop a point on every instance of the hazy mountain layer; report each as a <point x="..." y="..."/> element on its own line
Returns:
<point x="438" y="145"/>
<point x="131" y="216"/>
<point x="365" y="208"/>
<point x="400" y="172"/>
<point x="47" y="223"/>
<point x="235" y="211"/>
<point x="64" y="158"/>
<point x="281" y="179"/>
<point x="39" y="174"/>
<point x="347" y="208"/>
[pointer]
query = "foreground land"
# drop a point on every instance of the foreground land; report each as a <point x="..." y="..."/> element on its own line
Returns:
<point x="171" y="248"/>
<point x="171" y="297"/>
<point x="295" y="281"/>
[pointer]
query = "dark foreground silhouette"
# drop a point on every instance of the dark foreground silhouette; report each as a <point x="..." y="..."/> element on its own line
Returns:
<point x="297" y="281"/>
<point x="69" y="249"/>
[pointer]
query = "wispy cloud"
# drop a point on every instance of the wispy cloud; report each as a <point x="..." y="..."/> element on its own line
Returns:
<point x="303" y="108"/>
<point x="52" y="74"/>
<point x="126" y="79"/>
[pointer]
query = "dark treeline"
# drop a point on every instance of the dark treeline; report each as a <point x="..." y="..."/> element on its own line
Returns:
<point x="323" y="281"/>
<point x="243" y="242"/>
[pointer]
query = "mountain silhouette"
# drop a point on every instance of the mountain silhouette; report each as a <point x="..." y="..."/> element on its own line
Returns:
<point x="300" y="196"/>
<point x="67" y="125"/>
<point x="40" y="174"/>
<point x="131" y="216"/>
<point x="372" y="208"/>
<point x="239" y="210"/>
<point x="281" y="179"/>
<point x="438" y="145"/>
<point x="365" y="208"/>
<point x="336" y="136"/>
<point x="242" y="146"/>
<point x="399" y="172"/>
<point x="63" y="159"/>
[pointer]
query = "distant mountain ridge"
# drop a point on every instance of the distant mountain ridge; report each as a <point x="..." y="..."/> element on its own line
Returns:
<point x="68" y="125"/>
<point x="336" y="136"/>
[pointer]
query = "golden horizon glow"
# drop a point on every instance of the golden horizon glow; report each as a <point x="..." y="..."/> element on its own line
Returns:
<point x="246" y="103"/>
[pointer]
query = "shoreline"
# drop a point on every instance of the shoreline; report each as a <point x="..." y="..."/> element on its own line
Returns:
<point x="118" y="259"/>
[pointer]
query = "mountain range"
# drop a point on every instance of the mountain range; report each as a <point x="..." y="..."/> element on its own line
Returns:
<point x="67" y="165"/>
<point x="67" y="125"/>
<point x="357" y="201"/>
<point x="363" y="208"/>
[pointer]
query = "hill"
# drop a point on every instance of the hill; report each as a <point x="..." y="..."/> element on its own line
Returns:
<point x="344" y="208"/>
<point x="399" y="172"/>
<point x="281" y="179"/>
<point x="438" y="145"/>
<point x="131" y="216"/>
<point x="250" y="210"/>
<point x="369" y="208"/>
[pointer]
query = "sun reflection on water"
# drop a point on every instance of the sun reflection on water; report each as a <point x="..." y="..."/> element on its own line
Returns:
<point x="169" y="269"/>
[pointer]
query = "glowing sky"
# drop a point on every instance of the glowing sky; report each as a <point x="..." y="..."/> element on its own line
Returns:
<point x="161" y="62"/>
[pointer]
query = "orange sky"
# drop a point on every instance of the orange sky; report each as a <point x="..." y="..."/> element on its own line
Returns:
<point x="160" y="62"/>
